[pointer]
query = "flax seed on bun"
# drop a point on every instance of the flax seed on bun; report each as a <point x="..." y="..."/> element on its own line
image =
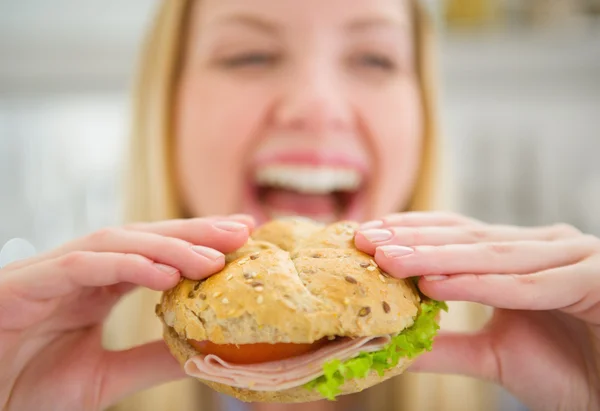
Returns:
<point x="319" y="285"/>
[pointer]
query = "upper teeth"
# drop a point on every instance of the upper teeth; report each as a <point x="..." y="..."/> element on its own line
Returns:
<point x="310" y="180"/>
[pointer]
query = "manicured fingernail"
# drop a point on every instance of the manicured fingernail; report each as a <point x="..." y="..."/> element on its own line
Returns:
<point x="371" y="224"/>
<point x="394" y="251"/>
<point x="230" y="226"/>
<point x="166" y="268"/>
<point x="207" y="252"/>
<point x="435" y="277"/>
<point x="377" y="235"/>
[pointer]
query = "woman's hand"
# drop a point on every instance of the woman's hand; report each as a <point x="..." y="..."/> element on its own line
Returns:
<point x="543" y="342"/>
<point x="52" y="308"/>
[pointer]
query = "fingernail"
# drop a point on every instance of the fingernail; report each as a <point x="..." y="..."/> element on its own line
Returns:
<point x="166" y="268"/>
<point x="394" y="251"/>
<point x="207" y="252"/>
<point x="435" y="277"/>
<point x="230" y="226"/>
<point x="377" y="235"/>
<point x="371" y="224"/>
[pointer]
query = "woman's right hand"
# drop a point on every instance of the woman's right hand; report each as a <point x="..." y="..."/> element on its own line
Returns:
<point x="52" y="308"/>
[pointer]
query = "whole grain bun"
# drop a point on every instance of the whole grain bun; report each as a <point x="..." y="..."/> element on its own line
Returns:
<point x="182" y="351"/>
<point x="295" y="281"/>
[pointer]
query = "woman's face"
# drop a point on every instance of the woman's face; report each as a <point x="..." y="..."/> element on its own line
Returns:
<point x="289" y="107"/>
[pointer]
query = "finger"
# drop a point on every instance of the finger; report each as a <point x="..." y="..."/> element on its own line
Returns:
<point x="131" y="371"/>
<point x="368" y="240"/>
<point x="30" y="294"/>
<point x="193" y="261"/>
<point x="222" y="234"/>
<point x="419" y="219"/>
<point x="225" y="234"/>
<point x="245" y="219"/>
<point x="467" y="354"/>
<point x="60" y="276"/>
<point x="519" y="257"/>
<point x="568" y="288"/>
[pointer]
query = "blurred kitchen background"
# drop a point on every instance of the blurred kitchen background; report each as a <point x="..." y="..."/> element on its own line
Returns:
<point x="520" y="111"/>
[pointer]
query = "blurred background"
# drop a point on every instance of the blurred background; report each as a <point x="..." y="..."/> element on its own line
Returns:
<point x="520" y="111"/>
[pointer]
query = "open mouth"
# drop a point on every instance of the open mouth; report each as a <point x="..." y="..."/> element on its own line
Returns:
<point x="323" y="193"/>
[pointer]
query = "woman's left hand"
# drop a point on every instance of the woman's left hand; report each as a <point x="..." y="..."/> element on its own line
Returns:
<point x="543" y="341"/>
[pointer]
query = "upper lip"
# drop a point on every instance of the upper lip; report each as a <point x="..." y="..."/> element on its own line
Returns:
<point x="311" y="158"/>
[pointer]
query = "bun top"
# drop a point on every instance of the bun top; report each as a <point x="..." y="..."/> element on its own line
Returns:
<point x="294" y="281"/>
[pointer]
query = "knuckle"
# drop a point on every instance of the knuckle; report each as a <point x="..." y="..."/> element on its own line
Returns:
<point x="477" y="234"/>
<point x="133" y="226"/>
<point x="73" y="259"/>
<point x="592" y="241"/>
<point x="102" y="234"/>
<point x="563" y="230"/>
<point x="178" y="242"/>
<point x="462" y="220"/>
<point x="136" y="259"/>
<point x="414" y="236"/>
<point x="182" y="225"/>
<point x="451" y="215"/>
<point x="131" y="265"/>
<point x="499" y="248"/>
<point x="525" y="279"/>
<point x="15" y="265"/>
<point x="454" y="216"/>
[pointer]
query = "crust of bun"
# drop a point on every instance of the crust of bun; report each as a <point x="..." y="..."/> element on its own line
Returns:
<point x="294" y="281"/>
<point x="182" y="351"/>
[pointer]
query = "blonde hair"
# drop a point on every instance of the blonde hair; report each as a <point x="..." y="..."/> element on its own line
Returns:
<point x="152" y="195"/>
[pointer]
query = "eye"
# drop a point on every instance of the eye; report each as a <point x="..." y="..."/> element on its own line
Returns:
<point x="250" y="59"/>
<point x="375" y="61"/>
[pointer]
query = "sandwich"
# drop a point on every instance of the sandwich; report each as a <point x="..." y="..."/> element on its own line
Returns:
<point x="297" y="314"/>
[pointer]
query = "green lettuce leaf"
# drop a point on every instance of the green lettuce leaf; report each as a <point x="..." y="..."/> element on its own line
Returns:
<point x="410" y="343"/>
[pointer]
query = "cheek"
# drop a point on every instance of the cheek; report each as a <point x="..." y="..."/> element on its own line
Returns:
<point x="396" y="129"/>
<point x="213" y="135"/>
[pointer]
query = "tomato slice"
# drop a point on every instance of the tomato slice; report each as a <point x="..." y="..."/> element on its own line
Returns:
<point x="254" y="353"/>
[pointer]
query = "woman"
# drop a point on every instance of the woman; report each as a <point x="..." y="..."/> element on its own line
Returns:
<point x="238" y="103"/>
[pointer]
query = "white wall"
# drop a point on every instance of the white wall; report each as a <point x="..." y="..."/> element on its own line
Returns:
<point x="522" y="115"/>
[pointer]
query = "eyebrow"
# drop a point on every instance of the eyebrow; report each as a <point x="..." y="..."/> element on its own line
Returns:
<point x="261" y="24"/>
<point x="250" y="21"/>
<point x="369" y="23"/>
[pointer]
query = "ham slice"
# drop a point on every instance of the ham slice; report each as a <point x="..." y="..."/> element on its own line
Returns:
<point x="284" y="374"/>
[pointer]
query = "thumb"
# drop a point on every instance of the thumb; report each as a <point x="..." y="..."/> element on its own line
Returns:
<point x="129" y="371"/>
<point x="472" y="355"/>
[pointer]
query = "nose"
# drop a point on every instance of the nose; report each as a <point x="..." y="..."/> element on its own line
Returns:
<point x="313" y="100"/>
